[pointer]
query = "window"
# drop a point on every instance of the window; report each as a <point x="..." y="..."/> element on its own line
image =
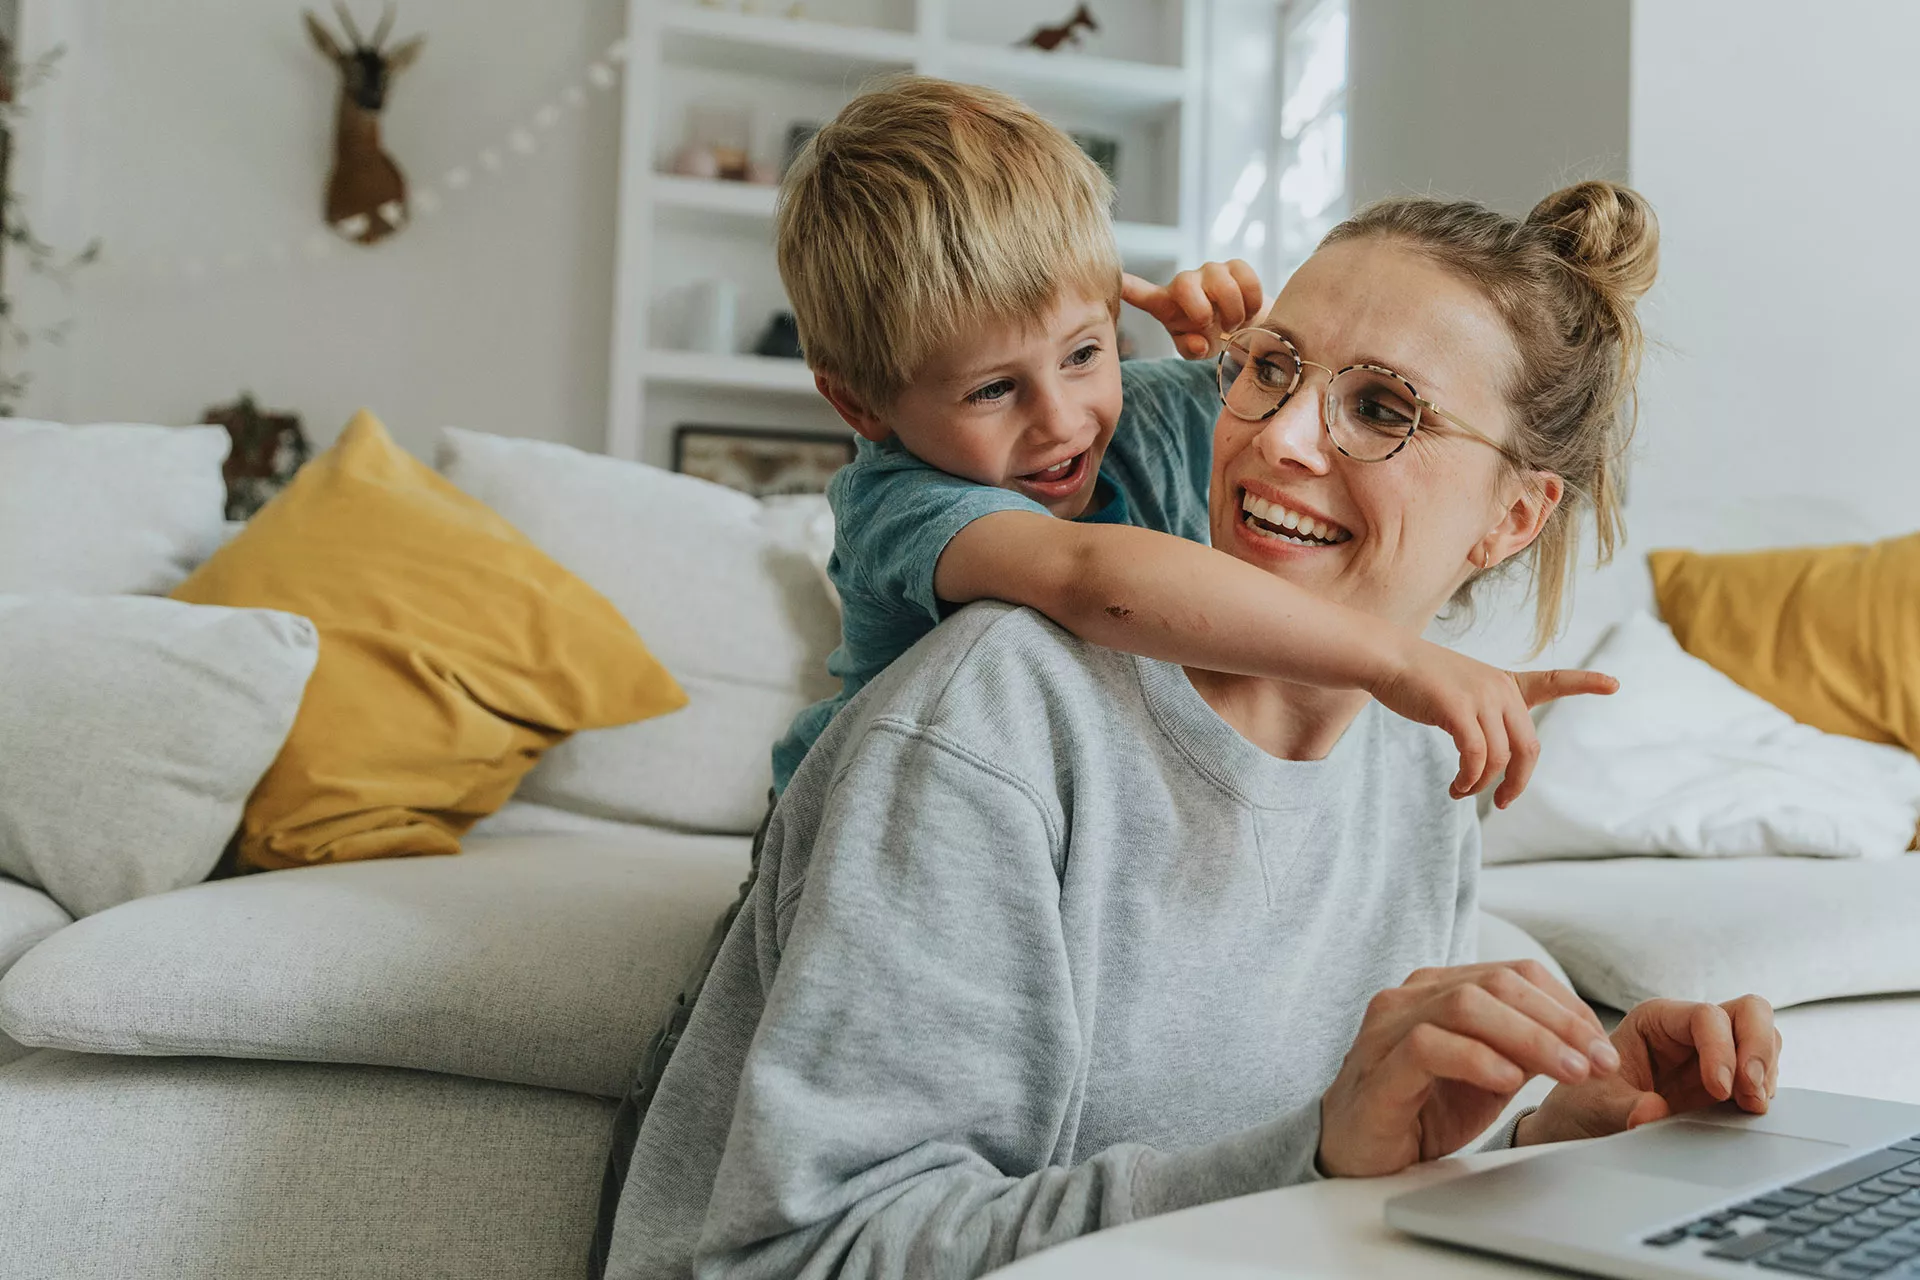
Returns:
<point x="1313" y="127"/>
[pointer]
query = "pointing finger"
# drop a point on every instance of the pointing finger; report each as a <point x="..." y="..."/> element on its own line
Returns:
<point x="1544" y="686"/>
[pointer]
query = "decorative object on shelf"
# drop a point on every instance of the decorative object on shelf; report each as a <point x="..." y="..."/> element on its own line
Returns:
<point x="723" y="129"/>
<point x="780" y="338"/>
<point x="1102" y="150"/>
<point x="696" y="161"/>
<point x="760" y="462"/>
<point x="42" y="259"/>
<point x="366" y="192"/>
<point x="799" y="134"/>
<point x="712" y="315"/>
<point x="1051" y="39"/>
<point x="268" y="447"/>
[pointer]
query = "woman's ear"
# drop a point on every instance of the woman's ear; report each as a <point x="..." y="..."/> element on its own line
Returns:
<point x="849" y="408"/>
<point x="1538" y="498"/>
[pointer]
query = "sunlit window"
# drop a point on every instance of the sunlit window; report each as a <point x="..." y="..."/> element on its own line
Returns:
<point x="1313" y="126"/>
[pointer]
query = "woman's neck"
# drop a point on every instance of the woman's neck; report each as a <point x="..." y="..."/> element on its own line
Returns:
<point x="1290" y="721"/>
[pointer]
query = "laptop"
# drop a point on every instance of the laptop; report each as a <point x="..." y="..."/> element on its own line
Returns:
<point x="1822" y="1185"/>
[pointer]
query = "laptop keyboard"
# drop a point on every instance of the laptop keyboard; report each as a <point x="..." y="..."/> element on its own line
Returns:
<point x="1854" y="1221"/>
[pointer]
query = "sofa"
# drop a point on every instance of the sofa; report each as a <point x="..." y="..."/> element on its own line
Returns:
<point x="410" y="1066"/>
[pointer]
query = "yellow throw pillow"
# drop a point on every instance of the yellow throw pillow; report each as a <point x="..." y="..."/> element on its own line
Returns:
<point x="1830" y="635"/>
<point x="452" y="653"/>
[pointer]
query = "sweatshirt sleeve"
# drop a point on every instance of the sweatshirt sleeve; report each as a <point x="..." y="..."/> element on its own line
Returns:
<point x="917" y="1070"/>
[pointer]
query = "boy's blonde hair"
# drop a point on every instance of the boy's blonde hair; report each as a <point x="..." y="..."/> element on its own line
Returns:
<point x="924" y="208"/>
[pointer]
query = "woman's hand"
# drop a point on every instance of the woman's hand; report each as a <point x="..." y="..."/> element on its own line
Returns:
<point x="1202" y="306"/>
<point x="1440" y="1055"/>
<point x="1675" y="1056"/>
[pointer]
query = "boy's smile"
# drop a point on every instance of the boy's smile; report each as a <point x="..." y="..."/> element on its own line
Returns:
<point x="1025" y="407"/>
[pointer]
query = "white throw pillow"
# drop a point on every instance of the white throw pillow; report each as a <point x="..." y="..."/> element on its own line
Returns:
<point x="1790" y="929"/>
<point x="1683" y="761"/>
<point x="107" y="510"/>
<point x="722" y="588"/>
<point x="131" y="732"/>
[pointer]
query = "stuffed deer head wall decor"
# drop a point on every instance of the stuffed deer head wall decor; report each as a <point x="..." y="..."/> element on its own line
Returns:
<point x="366" y="193"/>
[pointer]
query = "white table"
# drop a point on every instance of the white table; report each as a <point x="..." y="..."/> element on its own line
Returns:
<point x="1322" y="1230"/>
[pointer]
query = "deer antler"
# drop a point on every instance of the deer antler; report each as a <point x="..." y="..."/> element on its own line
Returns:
<point x="386" y="25"/>
<point x="346" y="24"/>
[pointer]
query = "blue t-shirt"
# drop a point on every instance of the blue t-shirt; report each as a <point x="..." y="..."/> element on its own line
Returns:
<point x="893" y="516"/>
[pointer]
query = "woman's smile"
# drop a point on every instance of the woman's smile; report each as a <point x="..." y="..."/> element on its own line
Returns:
<point x="1287" y="520"/>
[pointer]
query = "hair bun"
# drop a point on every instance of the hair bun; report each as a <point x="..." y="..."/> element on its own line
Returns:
<point x="1608" y="233"/>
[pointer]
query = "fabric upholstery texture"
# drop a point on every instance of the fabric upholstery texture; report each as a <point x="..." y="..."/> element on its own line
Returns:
<point x="541" y="960"/>
<point x="1683" y="761"/>
<point x="1830" y="635"/>
<point x="132" y="730"/>
<point x="197" y="1169"/>
<point x="453" y="652"/>
<point x="1503" y="940"/>
<point x="106" y="510"/>
<point x="1793" y="930"/>
<point x="26" y="916"/>
<point x="724" y="588"/>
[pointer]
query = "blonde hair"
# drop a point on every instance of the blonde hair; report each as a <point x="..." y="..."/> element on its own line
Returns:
<point x="924" y="208"/>
<point x="1565" y="279"/>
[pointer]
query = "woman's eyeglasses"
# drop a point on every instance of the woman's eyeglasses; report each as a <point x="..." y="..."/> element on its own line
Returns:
<point x="1369" y="412"/>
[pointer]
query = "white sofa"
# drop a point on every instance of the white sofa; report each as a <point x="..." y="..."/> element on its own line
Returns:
<point x="410" y="1067"/>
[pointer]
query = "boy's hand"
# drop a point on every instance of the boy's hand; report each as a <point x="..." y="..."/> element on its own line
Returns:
<point x="1202" y="306"/>
<point x="1483" y="709"/>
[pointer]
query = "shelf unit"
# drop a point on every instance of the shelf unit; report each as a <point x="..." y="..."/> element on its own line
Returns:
<point x="1137" y="81"/>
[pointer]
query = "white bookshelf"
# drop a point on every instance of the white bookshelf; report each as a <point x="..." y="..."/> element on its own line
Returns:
<point x="1137" y="81"/>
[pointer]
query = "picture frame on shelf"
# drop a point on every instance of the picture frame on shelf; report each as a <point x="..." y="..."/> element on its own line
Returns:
<point x="759" y="461"/>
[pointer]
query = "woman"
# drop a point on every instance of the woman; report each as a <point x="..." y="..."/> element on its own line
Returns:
<point x="1047" y="937"/>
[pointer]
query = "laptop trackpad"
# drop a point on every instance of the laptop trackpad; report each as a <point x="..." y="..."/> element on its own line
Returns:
<point x="1711" y="1154"/>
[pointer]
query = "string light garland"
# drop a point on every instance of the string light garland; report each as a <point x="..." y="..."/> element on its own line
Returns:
<point x="426" y="198"/>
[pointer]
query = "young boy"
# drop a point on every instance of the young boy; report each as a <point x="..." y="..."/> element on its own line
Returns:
<point x="952" y="267"/>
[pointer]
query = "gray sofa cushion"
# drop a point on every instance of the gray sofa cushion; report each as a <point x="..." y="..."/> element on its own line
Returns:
<point x="543" y="960"/>
<point x="26" y="916"/>
<point x="198" y="1169"/>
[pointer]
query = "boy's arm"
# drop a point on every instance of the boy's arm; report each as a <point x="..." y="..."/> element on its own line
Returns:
<point x="1164" y="597"/>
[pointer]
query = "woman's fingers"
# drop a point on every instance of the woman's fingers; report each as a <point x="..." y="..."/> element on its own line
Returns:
<point x="1756" y="1050"/>
<point x="1474" y="1011"/>
<point x="1710" y="1029"/>
<point x="1525" y="984"/>
<point x="1430" y="1052"/>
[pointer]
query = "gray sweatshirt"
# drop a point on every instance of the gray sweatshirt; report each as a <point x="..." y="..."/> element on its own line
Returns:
<point x="1040" y="945"/>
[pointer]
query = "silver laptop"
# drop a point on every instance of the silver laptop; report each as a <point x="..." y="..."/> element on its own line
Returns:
<point x="1822" y="1185"/>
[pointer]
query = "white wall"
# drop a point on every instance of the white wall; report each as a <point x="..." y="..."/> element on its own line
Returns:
<point x="200" y="129"/>
<point x="1776" y="141"/>
<point x="1499" y="101"/>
